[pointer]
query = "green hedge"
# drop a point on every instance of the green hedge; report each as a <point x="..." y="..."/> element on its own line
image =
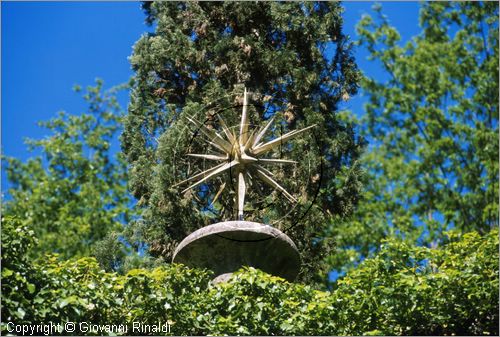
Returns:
<point x="403" y="290"/>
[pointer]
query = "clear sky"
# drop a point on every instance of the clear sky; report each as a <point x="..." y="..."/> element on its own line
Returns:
<point x="47" y="47"/>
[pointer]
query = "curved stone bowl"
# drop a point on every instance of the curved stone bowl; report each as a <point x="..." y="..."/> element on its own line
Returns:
<point x="225" y="247"/>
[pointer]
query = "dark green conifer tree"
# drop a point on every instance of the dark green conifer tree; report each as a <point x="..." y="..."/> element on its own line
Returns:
<point x="292" y="56"/>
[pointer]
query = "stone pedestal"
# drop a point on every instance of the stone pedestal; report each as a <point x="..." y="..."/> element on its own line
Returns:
<point x="225" y="247"/>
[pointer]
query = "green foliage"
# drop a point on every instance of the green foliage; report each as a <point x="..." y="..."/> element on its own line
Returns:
<point x="205" y="52"/>
<point x="403" y="290"/>
<point x="74" y="193"/>
<point x="18" y="283"/>
<point x="432" y="122"/>
<point x="421" y="291"/>
<point x="79" y="290"/>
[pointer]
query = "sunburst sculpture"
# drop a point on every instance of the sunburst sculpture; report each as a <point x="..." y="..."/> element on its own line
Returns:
<point x="241" y="155"/>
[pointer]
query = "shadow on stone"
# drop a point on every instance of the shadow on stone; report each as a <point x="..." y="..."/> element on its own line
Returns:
<point x="225" y="247"/>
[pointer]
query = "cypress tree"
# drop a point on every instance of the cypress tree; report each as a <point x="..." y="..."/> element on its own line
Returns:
<point x="298" y="64"/>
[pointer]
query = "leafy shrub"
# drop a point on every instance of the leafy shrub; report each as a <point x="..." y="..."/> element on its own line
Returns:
<point x="403" y="290"/>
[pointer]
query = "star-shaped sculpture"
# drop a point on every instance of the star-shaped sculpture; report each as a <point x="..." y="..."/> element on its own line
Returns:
<point x="241" y="155"/>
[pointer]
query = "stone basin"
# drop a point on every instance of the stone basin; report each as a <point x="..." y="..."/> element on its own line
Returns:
<point x="227" y="246"/>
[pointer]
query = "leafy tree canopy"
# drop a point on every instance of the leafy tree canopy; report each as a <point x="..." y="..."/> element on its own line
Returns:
<point x="433" y="127"/>
<point x="74" y="194"/>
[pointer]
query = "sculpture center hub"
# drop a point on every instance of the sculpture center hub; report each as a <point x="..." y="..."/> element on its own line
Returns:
<point x="239" y="153"/>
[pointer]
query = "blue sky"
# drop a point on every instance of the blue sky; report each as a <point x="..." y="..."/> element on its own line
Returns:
<point x="47" y="47"/>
